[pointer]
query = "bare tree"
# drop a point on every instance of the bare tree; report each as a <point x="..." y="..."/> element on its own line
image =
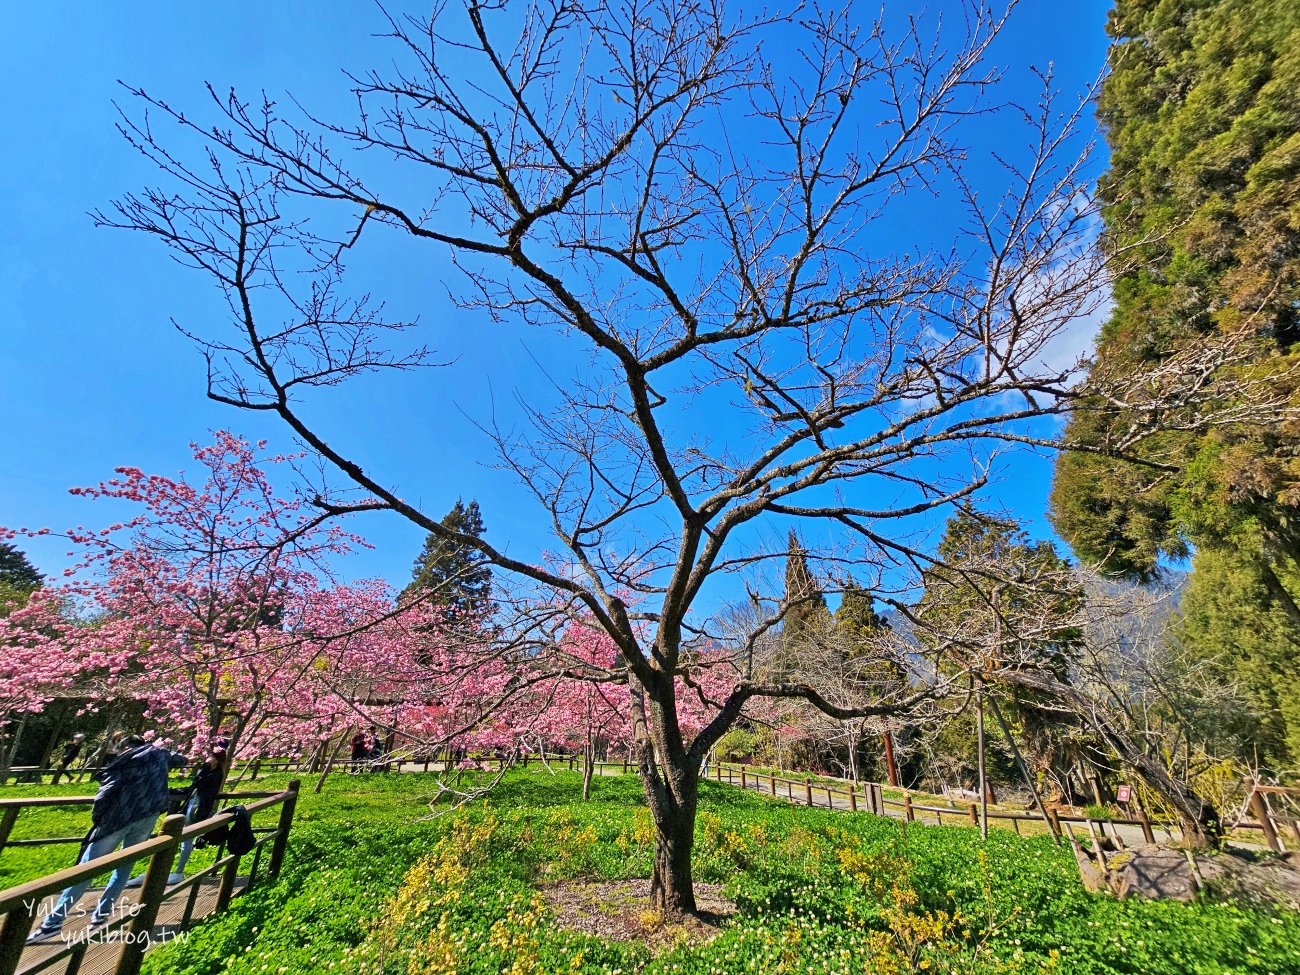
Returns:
<point x="1043" y="628"/>
<point x="690" y="198"/>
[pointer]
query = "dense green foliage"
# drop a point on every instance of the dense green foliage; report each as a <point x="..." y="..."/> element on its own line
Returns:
<point x="805" y="603"/>
<point x="1202" y="114"/>
<point x="373" y="884"/>
<point x="18" y="577"/>
<point x="452" y="572"/>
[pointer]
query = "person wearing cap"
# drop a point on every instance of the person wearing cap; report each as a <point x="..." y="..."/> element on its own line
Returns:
<point x="132" y="795"/>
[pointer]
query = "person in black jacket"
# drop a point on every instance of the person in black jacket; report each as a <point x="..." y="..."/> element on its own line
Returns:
<point x="132" y="795"/>
<point x="209" y="777"/>
<point x="71" y="752"/>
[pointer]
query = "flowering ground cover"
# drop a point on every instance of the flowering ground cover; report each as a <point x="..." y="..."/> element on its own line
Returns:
<point x="374" y="886"/>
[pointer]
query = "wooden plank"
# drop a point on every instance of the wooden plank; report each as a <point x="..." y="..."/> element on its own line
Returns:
<point x="102" y="956"/>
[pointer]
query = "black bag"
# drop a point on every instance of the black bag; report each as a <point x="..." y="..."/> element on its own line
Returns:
<point x="178" y="799"/>
<point x="240" y="838"/>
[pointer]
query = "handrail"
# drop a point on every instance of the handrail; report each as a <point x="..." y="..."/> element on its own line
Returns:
<point x="10" y="808"/>
<point x="18" y="905"/>
<point x="55" y="882"/>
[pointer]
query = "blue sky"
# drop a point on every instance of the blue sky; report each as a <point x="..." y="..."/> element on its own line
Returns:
<point x="93" y="376"/>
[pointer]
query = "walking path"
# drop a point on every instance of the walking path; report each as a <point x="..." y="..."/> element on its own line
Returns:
<point x="101" y="955"/>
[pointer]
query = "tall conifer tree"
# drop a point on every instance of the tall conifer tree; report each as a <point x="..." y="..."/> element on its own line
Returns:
<point x="1202" y="114"/>
<point x="452" y="573"/>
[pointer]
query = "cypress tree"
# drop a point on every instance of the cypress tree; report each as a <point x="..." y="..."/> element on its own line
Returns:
<point x="1202" y="115"/>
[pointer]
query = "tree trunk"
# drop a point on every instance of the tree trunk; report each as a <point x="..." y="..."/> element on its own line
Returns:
<point x="672" y="889"/>
<point x="588" y="762"/>
<point x="891" y="768"/>
<point x="7" y="759"/>
<point x="854" y="742"/>
<point x="670" y="776"/>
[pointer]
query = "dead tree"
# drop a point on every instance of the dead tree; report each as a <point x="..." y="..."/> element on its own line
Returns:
<point x="689" y="198"/>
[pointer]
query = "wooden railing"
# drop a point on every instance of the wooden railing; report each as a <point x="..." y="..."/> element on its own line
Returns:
<point x="20" y="906"/>
<point x="810" y="792"/>
<point x="35" y="775"/>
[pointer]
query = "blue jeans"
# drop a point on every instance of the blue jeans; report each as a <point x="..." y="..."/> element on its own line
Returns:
<point x="101" y="846"/>
<point x="187" y="847"/>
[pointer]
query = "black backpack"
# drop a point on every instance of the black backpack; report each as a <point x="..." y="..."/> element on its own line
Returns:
<point x="240" y="838"/>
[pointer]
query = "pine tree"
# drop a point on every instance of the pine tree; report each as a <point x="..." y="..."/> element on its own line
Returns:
<point x="16" y="569"/>
<point x="451" y="572"/>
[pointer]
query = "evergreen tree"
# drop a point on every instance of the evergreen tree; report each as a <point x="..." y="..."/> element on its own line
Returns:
<point x="16" y="569"/>
<point x="18" y="578"/>
<point x="857" y="614"/>
<point x="804" y="599"/>
<point x="451" y="572"/>
<point x="1202" y="113"/>
<point x="983" y="610"/>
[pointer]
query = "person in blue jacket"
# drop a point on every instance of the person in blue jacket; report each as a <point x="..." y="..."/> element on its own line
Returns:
<point x="132" y="795"/>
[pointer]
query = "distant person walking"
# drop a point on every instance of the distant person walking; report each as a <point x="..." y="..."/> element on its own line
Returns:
<point x="359" y="751"/>
<point x="71" y="752"/>
<point x="132" y="795"/>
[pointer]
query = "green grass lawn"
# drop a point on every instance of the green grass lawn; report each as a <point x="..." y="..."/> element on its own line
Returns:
<point x="373" y="884"/>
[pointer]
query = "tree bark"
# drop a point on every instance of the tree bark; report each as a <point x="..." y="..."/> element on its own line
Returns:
<point x="672" y="887"/>
<point x="588" y="762"/>
<point x="671" y="780"/>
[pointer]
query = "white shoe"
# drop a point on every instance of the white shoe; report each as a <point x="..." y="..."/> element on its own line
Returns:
<point x="136" y="881"/>
<point x="43" y="934"/>
<point x="175" y="878"/>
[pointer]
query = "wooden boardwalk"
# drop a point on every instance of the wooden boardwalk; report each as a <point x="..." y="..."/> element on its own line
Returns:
<point x="102" y="953"/>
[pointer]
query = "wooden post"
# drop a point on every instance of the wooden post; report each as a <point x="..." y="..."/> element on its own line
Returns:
<point x="1260" y="810"/>
<point x="1148" y="833"/>
<point x="807" y="789"/>
<point x="13" y="934"/>
<point x="974" y="815"/>
<point x="282" y="830"/>
<point x="625" y="763"/>
<point x="771" y="783"/>
<point x="1054" y="817"/>
<point x="907" y="807"/>
<point x="890" y="766"/>
<point x="151" y="898"/>
<point x="853" y="799"/>
<point x="979" y="743"/>
<point x="7" y="824"/>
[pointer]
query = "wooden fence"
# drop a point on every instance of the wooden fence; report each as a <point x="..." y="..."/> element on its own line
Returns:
<point x="873" y="799"/>
<point x="20" y="906"/>
<point x="34" y="775"/>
